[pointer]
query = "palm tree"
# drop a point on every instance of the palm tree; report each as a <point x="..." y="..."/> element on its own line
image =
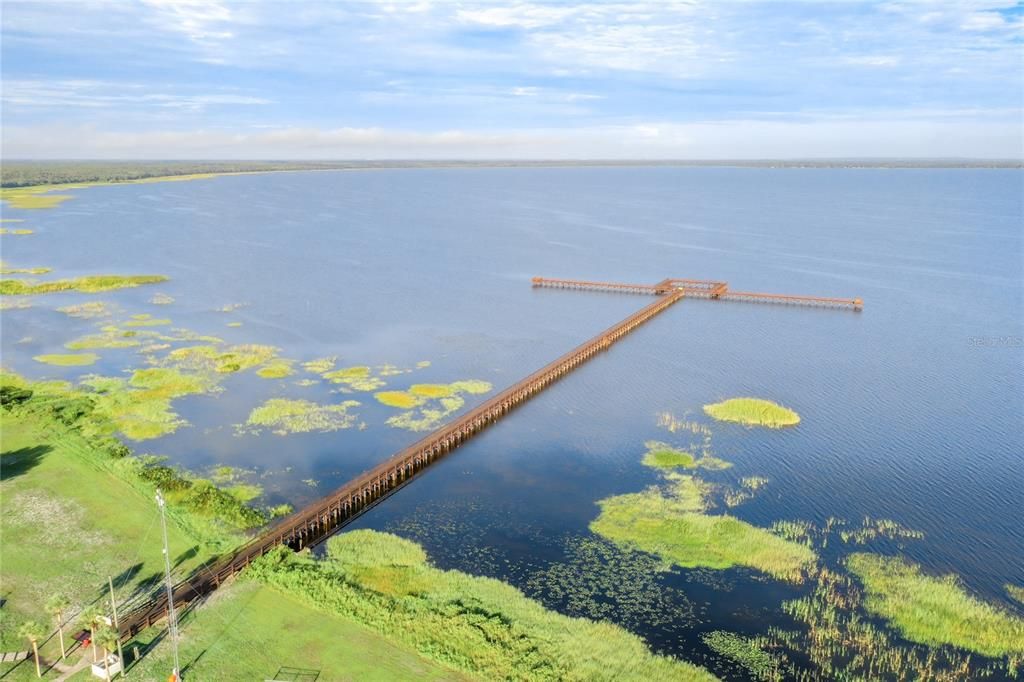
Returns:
<point x="106" y="637"/>
<point x="33" y="631"/>
<point x="91" y="617"/>
<point x="56" y="606"/>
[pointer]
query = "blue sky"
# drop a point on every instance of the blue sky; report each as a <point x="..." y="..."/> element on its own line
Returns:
<point x="373" y="79"/>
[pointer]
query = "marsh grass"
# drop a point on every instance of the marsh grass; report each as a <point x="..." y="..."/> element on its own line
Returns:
<point x="91" y="283"/>
<point x="935" y="610"/>
<point x="747" y="652"/>
<point x="479" y="625"/>
<point x="1015" y="592"/>
<point x="753" y="412"/>
<point x="842" y="642"/>
<point x="667" y="420"/>
<point x="284" y="416"/>
<point x="67" y="359"/>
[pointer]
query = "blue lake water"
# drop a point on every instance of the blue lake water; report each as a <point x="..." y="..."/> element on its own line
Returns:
<point x="911" y="410"/>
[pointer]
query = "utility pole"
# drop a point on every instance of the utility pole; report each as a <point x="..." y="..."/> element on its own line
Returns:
<point x="117" y="628"/>
<point x="172" y="619"/>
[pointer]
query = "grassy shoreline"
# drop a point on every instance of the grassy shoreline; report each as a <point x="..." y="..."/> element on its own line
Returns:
<point x="479" y="625"/>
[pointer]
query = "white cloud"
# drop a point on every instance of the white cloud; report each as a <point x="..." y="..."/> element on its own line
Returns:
<point x="872" y="60"/>
<point x="93" y="94"/>
<point x="892" y="136"/>
<point x="524" y="15"/>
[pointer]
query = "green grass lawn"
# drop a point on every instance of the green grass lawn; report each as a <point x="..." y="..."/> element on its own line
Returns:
<point x="66" y="523"/>
<point x="248" y="631"/>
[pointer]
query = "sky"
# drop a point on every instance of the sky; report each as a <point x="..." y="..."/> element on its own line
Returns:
<point x="687" y="79"/>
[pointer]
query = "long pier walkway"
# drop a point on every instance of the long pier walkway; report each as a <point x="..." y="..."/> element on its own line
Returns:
<point x="702" y="288"/>
<point x="321" y="519"/>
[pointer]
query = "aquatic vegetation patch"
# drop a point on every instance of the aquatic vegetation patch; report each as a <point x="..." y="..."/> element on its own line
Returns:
<point x="280" y="510"/>
<point x="320" y="365"/>
<point x="471" y="386"/>
<point x="283" y="416"/>
<point x="278" y="369"/>
<point x="875" y="528"/>
<point x="935" y="610"/>
<point x="753" y="412"/>
<point x="673" y="526"/>
<point x="1015" y="592"/>
<point x="244" y="492"/>
<point x="140" y="407"/>
<point x="106" y="339"/>
<point x="233" y="324"/>
<point x="161" y="299"/>
<point x="19" y="231"/>
<point x="433" y="403"/>
<point x="748" y="652"/>
<point x="67" y="359"/>
<point x="842" y="642"/>
<point x="748" y="486"/>
<point x="7" y="270"/>
<point x="401" y="399"/>
<point x="432" y="390"/>
<point x="15" y="304"/>
<point x="90" y="283"/>
<point x="88" y="310"/>
<point x="32" y="197"/>
<point x="478" y="625"/>
<point x="147" y="320"/>
<point x="228" y="360"/>
<point x="664" y="456"/>
<point x="601" y="581"/>
<point x="667" y="420"/>
<point x="357" y="378"/>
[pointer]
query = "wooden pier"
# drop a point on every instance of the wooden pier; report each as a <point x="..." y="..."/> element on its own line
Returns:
<point x="701" y="288"/>
<point x="321" y="519"/>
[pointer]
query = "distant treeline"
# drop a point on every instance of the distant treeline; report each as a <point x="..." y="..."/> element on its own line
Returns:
<point x="29" y="173"/>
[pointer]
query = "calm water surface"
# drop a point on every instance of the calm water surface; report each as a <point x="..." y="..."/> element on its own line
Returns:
<point x="911" y="410"/>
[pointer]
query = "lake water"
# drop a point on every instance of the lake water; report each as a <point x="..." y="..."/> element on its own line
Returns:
<point x="911" y="410"/>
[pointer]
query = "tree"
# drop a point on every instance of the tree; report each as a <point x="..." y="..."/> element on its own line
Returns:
<point x="91" y="618"/>
<point x="33" y="631"/>
<point x="107" y="637"/>
<point x="57" y="606"/>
